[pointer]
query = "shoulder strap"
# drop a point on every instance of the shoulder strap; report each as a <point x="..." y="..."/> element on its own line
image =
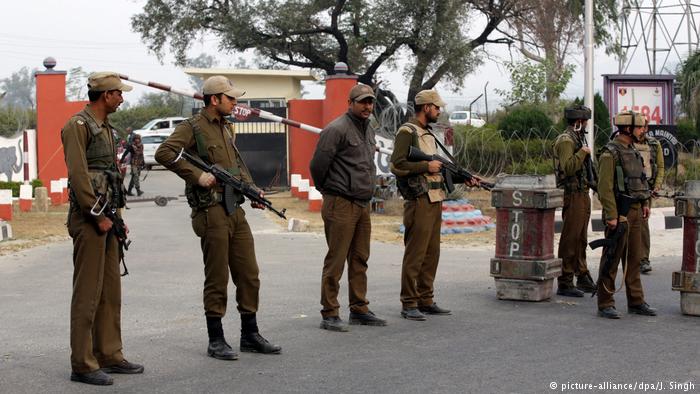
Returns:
<point x="92" y="125"/>
<point x="198" y="139"/>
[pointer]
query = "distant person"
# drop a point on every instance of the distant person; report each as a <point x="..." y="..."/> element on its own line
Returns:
<point x="625" y="204"/>
<point x="136" y="162"/>
<point x="95" y="323"/>
<point x="653" y="157"/>
<point x="571" y="161"/>
<point x="343" y="171"/>
<point x="129" y="135"/>
<point x="423" y="188"/>
<point x="225" y="237"/>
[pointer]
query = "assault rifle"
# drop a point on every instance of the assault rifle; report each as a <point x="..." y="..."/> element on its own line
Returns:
<point x="449" y="169"/>
<point x="613" y="239"/>
<point x="591" y="173"/>
<point x="118" y="226"/>
<point x="232" y="185"/>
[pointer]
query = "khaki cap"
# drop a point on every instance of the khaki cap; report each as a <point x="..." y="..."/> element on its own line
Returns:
<point x="106" y="80"/>
<point x="220" y="84"/>
<point x="361" y="92"/>
<point x="429" y="97"/>
<point x="630" y="118"/>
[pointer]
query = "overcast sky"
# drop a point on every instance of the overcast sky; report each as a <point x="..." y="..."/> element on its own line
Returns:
<point x="96" y="35"/>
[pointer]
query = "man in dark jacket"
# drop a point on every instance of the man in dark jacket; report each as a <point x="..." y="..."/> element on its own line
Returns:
<point x="343" y="170"/>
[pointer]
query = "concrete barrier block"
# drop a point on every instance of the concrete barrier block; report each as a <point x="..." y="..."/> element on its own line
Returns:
<point x="298" y="225"/>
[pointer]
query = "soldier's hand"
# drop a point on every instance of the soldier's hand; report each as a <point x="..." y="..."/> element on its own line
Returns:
<point x="104" y="225"/>
<point x="434" y="166"/>
<point x="474" y="181"/>
<point x="206" y="180"/>
<point x="645" y="212"/>
<point x="612" y="224"/>
<point x="257" y="205"/>
<point x="586" y="149"/>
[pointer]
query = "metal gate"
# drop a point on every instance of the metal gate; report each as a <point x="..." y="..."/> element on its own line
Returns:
<point x="263" y="145"/>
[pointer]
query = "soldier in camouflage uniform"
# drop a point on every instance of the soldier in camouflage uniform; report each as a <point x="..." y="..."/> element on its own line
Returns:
<point x="225" y="237"/>
<point x="90" y="154"/>
<point x="624" y="195"/>
<point x="572" y="163"/>
<point x="653" y="157"/>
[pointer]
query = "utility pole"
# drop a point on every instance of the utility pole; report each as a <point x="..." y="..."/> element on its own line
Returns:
<point x="588" y="79"/>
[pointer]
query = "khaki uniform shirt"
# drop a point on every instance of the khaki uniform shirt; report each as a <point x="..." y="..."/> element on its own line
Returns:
<point x="427" y="144"/>
<point x="646" y="150"/>
<point x="76" y="137"/>
<point x="219" y="140"/>
<point x="570" y="160"/>
<point x="606" y="181"/>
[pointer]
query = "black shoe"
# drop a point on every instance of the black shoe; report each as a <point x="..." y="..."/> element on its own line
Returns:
<point x="139" y="192"/>
<point x="366" y="319"/>
<point x="98" y="378"/>
<point x="219" y="349"/>
<point x="434" y="309"/>
<point x="129" y="193"/>
<point x="585" y="283"/>
<point x="569" y="292"/>
<point x="412" y="314"/>
<point x="609" y="313"/>
<point x="643" y="309"/>
<point x="645" y="267"/>
<point x="255" y="343"/>
<point x="124" y="367"/>
<point x="334" y="323"/>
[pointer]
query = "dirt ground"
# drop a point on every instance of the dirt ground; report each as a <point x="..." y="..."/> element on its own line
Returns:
<point x="30" y="229"/>
<point x="385" y="227"/>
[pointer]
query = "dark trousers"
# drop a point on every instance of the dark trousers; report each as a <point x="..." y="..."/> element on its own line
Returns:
<point x="228" y="247"/>
<point x="574" y="237"/>
<point x="422" y="221"/>
<point x="348" y="228"/>
<point x="95" y="312"/>
<point x="629" y="252"/>
<point x="135" y="178"/>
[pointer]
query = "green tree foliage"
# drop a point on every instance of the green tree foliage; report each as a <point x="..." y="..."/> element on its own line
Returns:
<point x="14" y="120"/>
<point x="364" y="34"/>
<point x="530" y="83"/>
<point x="688" y="77"/>
<point x="526" y="121"/>
<point x="19" y="89"/>
<point x="548" y="31"/>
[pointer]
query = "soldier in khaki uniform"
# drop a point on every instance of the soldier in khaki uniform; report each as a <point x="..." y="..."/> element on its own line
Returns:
<point x="226" y="240"/>
<point x="623" y="187"/>
<point x="90" y="154"/>
<point x="421" y="185"/>
<point x="572" y="161"/>
<point x="343" y="171"/>
<point x="653" y="157"/>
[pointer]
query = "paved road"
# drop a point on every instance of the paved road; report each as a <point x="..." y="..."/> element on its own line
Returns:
<point x="486" y="346"/>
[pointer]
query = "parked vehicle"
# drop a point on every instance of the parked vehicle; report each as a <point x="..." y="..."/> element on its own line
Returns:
<point x="151" y="142"/>
<point x="160" y="125"/>
<point x="466" y="118"/>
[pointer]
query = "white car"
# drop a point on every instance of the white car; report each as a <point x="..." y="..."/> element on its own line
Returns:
<point x="160" y="125"/>
<point x="466" y="118"/>
<point x="151" y="142"/>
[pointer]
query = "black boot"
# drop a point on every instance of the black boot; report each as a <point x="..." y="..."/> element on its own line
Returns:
<point x="585" y="283"/>
<point x="129" y="193"/>
<point x="218" y="347"/>
<point x="251" y="340"/>
<point x="139" y="192"/>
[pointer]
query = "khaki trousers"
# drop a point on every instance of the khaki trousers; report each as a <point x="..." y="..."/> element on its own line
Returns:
<point x="348" y="228"/>
<point x="228" y="247"/>
<point x="422" y="221"/>
<point x="574" y="237"/>
<point x="628" y="251"/>
<point x="95" y="312"/>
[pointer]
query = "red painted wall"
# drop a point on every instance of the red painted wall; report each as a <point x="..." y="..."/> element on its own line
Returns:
<point x="52" y="112"/>
<point x="317" y="113"/>
<point x="301" y="142"/>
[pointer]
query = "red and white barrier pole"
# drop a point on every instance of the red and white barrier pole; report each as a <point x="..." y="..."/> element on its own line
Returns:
<point x="25" y="198"/>
<point x="56" y="192"/>
<point x="315" y="200"/>
<point x="6" y="204"/>
<point x="25" y="156"/>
